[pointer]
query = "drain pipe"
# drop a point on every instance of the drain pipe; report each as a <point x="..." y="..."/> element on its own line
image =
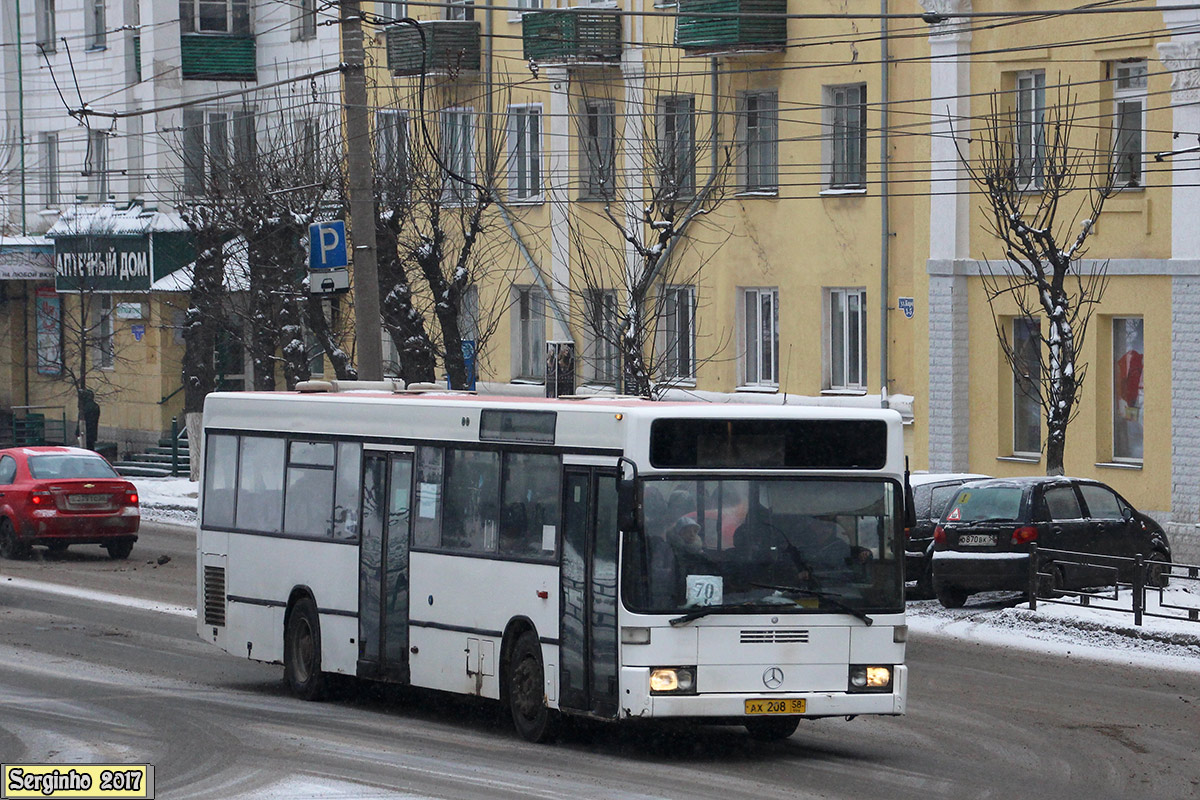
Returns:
<point x="885" y="234"/>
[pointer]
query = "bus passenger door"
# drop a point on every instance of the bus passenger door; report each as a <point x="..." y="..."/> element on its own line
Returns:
<point x="383" y="566"/>
<point x="588" y="629"/>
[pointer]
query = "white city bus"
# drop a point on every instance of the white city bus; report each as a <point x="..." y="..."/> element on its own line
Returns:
<point x="611" y="558"/>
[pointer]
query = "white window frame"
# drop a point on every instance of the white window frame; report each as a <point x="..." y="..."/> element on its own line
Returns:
<point x="391" y="10"/>
<point x="677" y="334"/>
<point x="845" y="139"/>
<point x="529" y="334"/>
<point x="1025" y="404"/>
<point x="391" y="147"/>
<point x="1129" y="123"/>
<point x="1029" y="140"/>
<point x="238" y="17"/>
<point x="201" y="138"/>
<point x="677" y="143"/>
<point x="95" y="23"/>
<point x="522" y="6"/>
<point x="602" y="358"/>
<point x="845" y="327"/>
<point x="457" y="146"/>
<point x="758" y="135"/>
<point x="47" y="35"/>
<point x="598" y="149"/>
<point x="51" y="190"/>
<point x="760" y="336"/>
<point x="1123" y="414"/>
<point x="96" y="165"/>
<point x="526" y="175"/>
<point x="306" y="20"/>
<point x="460" y="9"/>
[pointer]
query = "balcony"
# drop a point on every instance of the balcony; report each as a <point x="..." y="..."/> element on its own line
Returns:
<point x="571" y="37"/>
<point x="452" y="46"/>
<point x="218" y="57"/>
<point x="743" y="29"/>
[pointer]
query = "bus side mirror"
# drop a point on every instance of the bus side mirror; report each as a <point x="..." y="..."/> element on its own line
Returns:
<point x="910" y="502"/>
<point x="629" y="510"/>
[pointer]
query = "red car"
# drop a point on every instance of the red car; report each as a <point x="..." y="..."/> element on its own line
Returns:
<point x="60" y="496"/>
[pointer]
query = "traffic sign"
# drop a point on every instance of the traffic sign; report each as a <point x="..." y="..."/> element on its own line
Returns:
<point x="327" y="245"/>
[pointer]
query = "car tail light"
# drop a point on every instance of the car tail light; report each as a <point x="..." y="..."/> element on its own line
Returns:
<point x="40" y="498"/>
<point x="131" y="498"/>
<point x="1024" y="535"/>
<point x="939" y="535"/>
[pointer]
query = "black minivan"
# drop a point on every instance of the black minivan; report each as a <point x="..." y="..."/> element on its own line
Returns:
<point x="983" y="541"/>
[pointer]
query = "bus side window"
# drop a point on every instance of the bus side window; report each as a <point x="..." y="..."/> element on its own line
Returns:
<point x="471" y="517"/>
<point x="427" y="524"/>
<point x="529" y="523"/>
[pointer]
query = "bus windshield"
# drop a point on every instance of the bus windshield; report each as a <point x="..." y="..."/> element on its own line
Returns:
<point x="788" y="544"/>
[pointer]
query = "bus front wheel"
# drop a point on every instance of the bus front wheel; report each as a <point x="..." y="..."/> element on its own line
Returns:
<point x="532" y="718"/>
<point x="302" y="651"/>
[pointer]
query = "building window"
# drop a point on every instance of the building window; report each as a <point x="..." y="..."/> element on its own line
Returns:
<point x="95" y="28"/>
<point x="759" y="125"/>
<point x="47" y="37"/>
<point x="96" y="165"/>
<point x="524" y="152"/>
<point x="529" y="346"/>
<point x="1031" y="128"/>
<point x="761" y="319"/>
<point x="460" y="9"/>
<point x="602" y="357"/>
<point x="1128" y="387"/>
<point x="216" y="16"/>
<point x="523" y="6"/>
<point x="306" y="19"/>
<point x="391" y="12"/>
<point x="458" y="152"/>
<point x="599" y="150"/>
<point x="391" y="153"/>
<point x="1027" y="386"/>
<point x="847" y="339"/>
<point x="101" y="331"/>
<point x="677" y="332"/>
<point x="49" y="147"/>
<point x="210" y="139"/>
<point x="1129" y="109"/>
<point x="677" y="145"/>
<point x="846" y="132"/>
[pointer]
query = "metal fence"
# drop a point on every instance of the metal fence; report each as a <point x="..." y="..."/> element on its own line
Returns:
<point x="1119" y="584"/>
<point x="35" y="425"/>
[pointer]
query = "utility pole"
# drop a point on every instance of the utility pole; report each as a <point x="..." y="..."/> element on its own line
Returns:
<point x="367" y="332"/>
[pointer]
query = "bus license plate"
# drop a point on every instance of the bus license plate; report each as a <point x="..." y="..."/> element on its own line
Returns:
<point x="977" y="540"/>
<point x="788" y="706"/>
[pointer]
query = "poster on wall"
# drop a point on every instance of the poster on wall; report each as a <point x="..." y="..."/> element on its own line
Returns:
<point x="48" y="319"/>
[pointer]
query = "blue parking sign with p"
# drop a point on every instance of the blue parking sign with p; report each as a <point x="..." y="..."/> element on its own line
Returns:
<point x="327" y="245"/>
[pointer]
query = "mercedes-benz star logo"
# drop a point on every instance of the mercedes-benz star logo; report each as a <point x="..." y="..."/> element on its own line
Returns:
<point x="773" y="678"/>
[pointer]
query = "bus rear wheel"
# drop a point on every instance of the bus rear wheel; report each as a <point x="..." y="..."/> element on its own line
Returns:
<point x="772" y="729"/>
<point x="532" y="718"/>
<point x="302" y="651"/>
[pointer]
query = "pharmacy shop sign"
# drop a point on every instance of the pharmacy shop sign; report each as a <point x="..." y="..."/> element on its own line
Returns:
<point x="102" y="263"/>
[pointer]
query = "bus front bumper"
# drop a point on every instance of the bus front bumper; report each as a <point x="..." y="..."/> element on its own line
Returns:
<point x="638" y="702"/>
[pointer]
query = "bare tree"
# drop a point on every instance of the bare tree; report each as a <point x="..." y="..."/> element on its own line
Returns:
<point x="646" y="240"/>
<point x="438" y="233"/>
<point x="1043" y="195"/>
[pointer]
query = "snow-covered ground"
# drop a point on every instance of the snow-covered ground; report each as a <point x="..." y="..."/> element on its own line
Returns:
<point x="1069" y="630"/>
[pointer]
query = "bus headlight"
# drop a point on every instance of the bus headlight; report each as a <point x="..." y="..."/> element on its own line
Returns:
<point x="673" y="680"/>
<point x="868" y="678"/>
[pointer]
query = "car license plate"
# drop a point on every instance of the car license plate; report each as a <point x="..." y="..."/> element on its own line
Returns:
<point x="766" y="706"/>
<point x="88" y="499"/>
<point x="977" y="540"/>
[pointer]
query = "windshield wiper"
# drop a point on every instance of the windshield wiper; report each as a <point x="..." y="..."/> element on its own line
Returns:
<point x="972" y="523"/>
<point x="704" y="611"/>
<point x="830" y="599"/>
